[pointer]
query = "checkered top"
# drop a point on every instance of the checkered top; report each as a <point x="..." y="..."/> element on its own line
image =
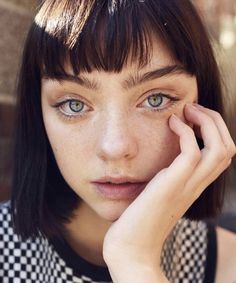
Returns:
<point x="184" y="258"/>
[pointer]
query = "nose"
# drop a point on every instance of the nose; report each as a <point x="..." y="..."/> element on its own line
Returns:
<point x="117" y="140"/>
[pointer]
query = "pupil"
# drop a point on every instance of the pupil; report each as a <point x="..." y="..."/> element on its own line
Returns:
<point x="76" y="106"/>
<point x="155" y="100"/>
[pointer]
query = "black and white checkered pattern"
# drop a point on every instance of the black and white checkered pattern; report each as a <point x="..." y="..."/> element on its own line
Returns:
<point x="183" y="258"/>
<point x="185" y="253"/>
<point x="31" y="261"/>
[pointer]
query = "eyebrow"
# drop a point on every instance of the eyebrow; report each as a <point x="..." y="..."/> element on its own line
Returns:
<point x="130" y="82"/>
<point x="90" y="84"/>
<point x="137" y="79"/>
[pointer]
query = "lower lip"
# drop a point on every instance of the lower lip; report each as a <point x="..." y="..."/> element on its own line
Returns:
<point x="119" y="191"/>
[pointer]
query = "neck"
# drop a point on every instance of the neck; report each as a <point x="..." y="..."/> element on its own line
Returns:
<point x="85" y="234"/>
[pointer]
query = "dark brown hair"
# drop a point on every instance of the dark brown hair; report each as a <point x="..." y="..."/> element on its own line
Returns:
<point x="101" y="35"/>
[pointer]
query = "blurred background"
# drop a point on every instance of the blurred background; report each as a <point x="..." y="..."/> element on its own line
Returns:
<point x="15" y="18"/>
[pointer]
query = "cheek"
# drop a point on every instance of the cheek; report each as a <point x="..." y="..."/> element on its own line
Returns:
<point x="159" y="147"/>
<point x="72" y="154"/>
<point x="70" y="148"/>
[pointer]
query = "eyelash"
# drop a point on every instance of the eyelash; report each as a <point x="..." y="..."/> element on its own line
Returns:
<point x="172" y="101"/>
<point x="69" y="116"/>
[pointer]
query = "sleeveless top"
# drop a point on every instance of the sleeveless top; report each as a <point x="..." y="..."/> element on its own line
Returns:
<point x="189" y="256"/>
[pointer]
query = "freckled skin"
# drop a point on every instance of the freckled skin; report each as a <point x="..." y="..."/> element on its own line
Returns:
<point x="116" y="137"/>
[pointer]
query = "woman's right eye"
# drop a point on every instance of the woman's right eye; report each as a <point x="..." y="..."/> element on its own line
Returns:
<point x="72" y="107"/>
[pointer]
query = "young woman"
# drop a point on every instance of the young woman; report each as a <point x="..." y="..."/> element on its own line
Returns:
<point x="119" y="148"/>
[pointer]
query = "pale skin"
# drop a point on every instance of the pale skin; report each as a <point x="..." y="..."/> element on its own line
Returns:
<point x="120" y="135"/>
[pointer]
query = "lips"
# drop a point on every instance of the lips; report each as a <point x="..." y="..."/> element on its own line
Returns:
<point x="118" y="188"/>
<point x="119" y="180"/>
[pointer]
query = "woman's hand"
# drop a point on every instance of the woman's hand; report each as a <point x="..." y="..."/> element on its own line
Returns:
<point x="133" y="244"/>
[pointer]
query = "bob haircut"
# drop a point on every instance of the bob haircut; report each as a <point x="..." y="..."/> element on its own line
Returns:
<point x="97" y="35"/>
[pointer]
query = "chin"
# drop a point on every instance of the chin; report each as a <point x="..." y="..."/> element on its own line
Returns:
<point x="113" y="211"/>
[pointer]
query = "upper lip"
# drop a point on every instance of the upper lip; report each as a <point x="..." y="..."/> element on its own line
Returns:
<point x="118" y="180"/>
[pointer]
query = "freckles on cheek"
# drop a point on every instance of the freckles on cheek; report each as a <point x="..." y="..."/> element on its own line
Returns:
<point x="167" y="144"/>
<point x="161" y="142"/>
<point x="70" y="144"/>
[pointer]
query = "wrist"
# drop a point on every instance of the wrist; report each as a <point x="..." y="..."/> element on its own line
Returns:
<point x="130" y="272"/>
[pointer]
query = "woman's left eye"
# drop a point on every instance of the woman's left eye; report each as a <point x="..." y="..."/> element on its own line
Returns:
<point x="159" y="101"/>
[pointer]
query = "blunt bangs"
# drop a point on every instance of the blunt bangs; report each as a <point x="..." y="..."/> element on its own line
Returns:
<point x="104" y="35"/>
<point x="103" y="39"/>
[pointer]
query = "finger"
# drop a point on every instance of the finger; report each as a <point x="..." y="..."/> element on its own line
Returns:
<point x="184" y="164"/>
<point x="206" y="124"/>
<point x="215" y="157"/>
<point x="214" y="129"/>
<point x="210" y="178"/>
<point x="181" y="169"/>
<point x="222" y="128"/>
<point x="214" y="152"/>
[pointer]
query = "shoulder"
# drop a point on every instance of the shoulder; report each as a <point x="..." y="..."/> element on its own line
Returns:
<point x="5" y="216"/>
<point x="4" y="205"/>
<point x="7" y="234"/>
<point x="184" y="255"/>
<point x="9" y="240"/>
<point x="226" y="262"/>
<point x="22" y="260"/>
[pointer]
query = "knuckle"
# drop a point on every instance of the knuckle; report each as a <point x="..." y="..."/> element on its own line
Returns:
<point x="189" y="132"/>
<point x="216" y="115"/>
<point x="195" y="155"/>
<point x="232" y="150"/>
<point x="226" y="164"/>
<point x="220" y="154"/>
<point x="229" y="163"/>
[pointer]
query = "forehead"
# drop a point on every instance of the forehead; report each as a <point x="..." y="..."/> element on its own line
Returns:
<point x="107" y="50"/>
<point x="110" y="38"/>
<point x="161" y="63"/>
<point x="159" y="56"/>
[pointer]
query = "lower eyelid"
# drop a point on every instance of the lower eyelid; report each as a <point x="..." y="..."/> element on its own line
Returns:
<point x="171" y="99"/>
<point x="68" y="117"/>
<point x="167" y="108"/>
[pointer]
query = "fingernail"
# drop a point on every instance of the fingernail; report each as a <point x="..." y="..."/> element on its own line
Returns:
<point x="193" y="106"/>
<point x="175" y="117"/>
<point x="198" y="105"/>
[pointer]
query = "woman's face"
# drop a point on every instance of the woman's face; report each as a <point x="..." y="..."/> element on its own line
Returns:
<point x="113" y="127"/>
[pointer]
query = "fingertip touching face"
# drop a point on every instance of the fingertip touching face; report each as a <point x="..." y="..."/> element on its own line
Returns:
<point x="115" y="125"/>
